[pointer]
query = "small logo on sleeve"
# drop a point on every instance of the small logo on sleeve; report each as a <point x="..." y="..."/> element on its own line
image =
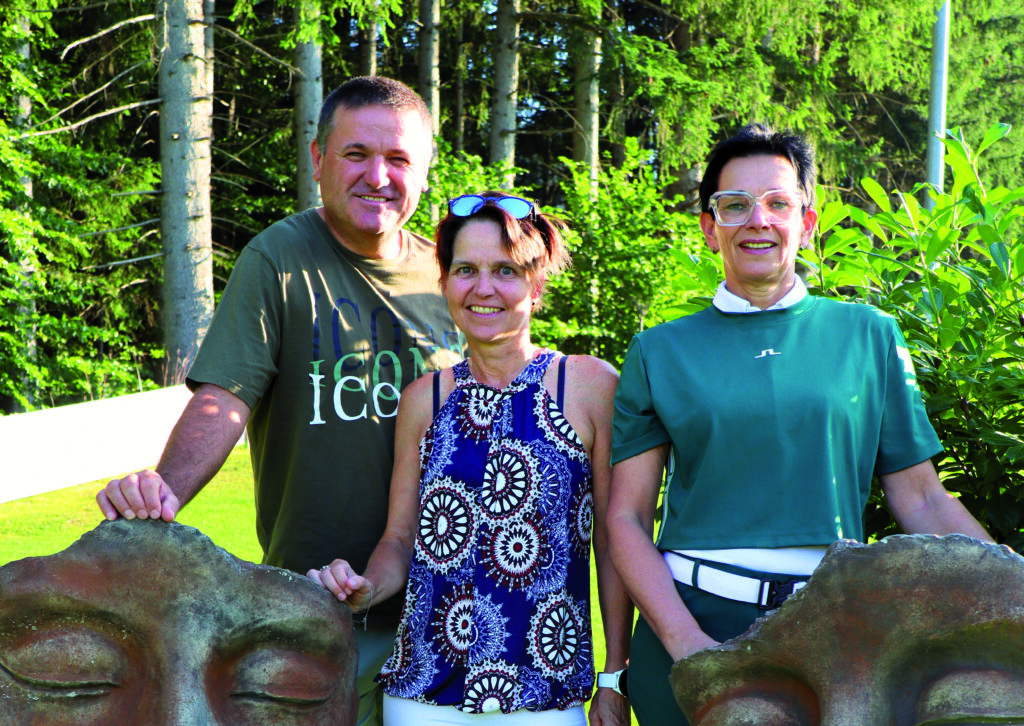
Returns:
<point x="767" y="353"/>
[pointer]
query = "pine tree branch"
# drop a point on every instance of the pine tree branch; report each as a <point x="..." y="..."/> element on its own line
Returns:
<point x="111" y="29"/>
<point x="84" y="121"/>
<point x="75" y="9"/>
<point x="121" y="229"/>
<point x="108" y="265"/>
<point x="132" y="194"/>
<point x="87" y="96"/>
<point x="259" y="50"/>
<point x="662" y="11"/>
<point x="575" y="20"/>
<point x="540" y="132"/>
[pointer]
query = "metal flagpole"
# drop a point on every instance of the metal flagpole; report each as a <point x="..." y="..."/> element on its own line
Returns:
<point x="937" y="99"/>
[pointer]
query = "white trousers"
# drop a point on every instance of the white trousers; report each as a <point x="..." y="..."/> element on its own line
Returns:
<point x="403" y="712"/>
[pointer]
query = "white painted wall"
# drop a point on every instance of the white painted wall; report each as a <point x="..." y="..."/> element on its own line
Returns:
<point x="59" y="447"/>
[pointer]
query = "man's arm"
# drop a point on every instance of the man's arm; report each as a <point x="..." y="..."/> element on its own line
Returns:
<point x="634" y="496"/>
<point x="921" y="505"/>
<point x="209" y="427"/>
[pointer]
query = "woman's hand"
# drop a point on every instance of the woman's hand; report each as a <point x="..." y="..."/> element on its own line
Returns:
<point x="688" y="643"/>
<point x="608" y="708"/>
<point x="339" y="578"/>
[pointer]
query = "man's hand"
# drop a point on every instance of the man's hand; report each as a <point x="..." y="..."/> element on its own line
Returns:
<point x="206" y="432"/>
<point x="144" y="495"/>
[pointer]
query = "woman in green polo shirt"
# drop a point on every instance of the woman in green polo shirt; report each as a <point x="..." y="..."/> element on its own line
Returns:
<point x="769" y="413"/>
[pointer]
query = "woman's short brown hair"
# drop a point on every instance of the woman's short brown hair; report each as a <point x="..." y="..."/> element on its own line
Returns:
<point x="534" y="242"/>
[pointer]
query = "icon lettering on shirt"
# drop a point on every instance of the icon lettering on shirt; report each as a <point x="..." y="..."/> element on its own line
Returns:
<point x="766" y="353"/>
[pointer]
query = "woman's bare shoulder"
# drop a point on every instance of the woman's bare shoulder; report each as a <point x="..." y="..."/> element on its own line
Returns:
<point x="592" y="370"/>
<point x="417" y="399"/>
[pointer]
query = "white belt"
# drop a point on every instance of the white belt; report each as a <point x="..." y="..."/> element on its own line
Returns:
<point x="766" y="593"/>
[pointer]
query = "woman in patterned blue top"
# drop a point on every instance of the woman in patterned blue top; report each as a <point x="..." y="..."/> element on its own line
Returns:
<point x="501" y="472"/>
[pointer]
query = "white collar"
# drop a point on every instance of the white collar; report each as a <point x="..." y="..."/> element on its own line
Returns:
<point x="729" y="302"/>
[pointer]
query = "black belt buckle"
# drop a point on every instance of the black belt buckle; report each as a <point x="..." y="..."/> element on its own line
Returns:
<point x="777" y="593"/>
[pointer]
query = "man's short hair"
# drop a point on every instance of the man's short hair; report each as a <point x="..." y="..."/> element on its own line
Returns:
<point x="758" y="139"/>
<point x="369" y="91"/>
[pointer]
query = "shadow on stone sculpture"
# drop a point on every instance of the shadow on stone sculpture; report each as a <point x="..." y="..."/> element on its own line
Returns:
<point x="912" y="630"/>
<point x="142" y="622"/>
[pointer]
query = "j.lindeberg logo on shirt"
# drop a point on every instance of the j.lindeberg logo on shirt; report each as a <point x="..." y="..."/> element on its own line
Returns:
<point x="766" y="353"/>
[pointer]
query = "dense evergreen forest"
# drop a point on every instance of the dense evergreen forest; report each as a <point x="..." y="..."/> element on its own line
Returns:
<point x="122" y="213"/>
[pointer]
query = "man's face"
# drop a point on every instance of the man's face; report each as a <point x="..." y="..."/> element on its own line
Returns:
<point x="371" y="173"/>
<point x="149" y="623"/>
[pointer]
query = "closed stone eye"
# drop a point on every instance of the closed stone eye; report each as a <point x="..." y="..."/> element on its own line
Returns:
<point x="967" y="696"/>
<point x="70" y="661"/>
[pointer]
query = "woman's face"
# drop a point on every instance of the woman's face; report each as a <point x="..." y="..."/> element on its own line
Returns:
<point x="490" y="296"/>
<point x="759" y="257"/>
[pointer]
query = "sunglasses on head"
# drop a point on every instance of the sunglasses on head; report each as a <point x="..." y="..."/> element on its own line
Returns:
<point x="469" y="204"/>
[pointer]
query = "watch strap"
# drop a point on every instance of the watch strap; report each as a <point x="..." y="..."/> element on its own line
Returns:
<point x="613" y="681"/>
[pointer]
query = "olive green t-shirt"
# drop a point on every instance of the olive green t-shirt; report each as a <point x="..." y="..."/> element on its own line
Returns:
<point x="318" y="342"/>
<point x="778" y="420"/>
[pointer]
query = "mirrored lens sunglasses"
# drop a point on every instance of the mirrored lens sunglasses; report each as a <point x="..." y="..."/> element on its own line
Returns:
<point x="469" y="204"/>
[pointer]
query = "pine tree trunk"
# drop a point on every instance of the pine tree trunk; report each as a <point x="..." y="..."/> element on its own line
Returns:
<point x="616" y="108"/>
<point x="26" y="312"/>
<point x="368" y="50"/>
<point x="617" y="102"/>
<point x="506" y="85"/>
<point x="685" y="179"/>
<point x="430" y="59"/>
<point x="429" y="81"/>
<point x="309" y="96"/>
<point x="186" y="89"/>
<point x="460" y="92"/>
<point x="586" y="92"/>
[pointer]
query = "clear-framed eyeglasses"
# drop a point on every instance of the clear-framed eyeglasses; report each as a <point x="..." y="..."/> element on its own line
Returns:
<point x="734" y="208"/>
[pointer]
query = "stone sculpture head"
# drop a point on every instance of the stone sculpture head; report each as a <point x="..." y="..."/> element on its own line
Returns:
<point x="910" y="630"/>
<point x="143" y="622"/>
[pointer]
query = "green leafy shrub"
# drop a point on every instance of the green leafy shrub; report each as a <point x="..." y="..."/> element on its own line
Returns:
<point x="952" y="276"/>
<point x="636" y="261"/>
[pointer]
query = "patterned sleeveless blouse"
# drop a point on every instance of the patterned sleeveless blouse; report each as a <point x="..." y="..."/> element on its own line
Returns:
<point x="497" y="608"/>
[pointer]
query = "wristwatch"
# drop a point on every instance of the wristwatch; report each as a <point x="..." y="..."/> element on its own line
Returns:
<point x="616" y="681"/>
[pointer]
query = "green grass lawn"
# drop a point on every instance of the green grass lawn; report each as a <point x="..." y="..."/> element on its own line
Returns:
<point x="223" y="510"/>
<point x="48" y="523"/>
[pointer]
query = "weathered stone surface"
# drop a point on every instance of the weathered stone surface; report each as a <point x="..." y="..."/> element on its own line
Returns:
<point x="142" y="622"/>
<point x="910" y="630"/>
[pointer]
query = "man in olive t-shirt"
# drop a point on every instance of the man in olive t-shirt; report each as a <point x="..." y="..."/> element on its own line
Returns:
<point x="327" y="315"/>
<point x="321" y="375"/>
